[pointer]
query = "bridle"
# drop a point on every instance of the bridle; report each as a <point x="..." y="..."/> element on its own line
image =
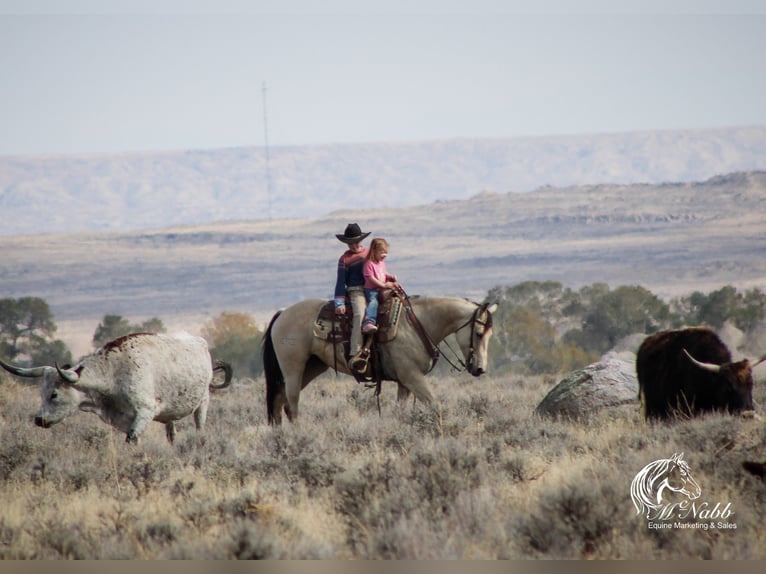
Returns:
<point x="473" y="322"/>
<point x="433" y="350"/>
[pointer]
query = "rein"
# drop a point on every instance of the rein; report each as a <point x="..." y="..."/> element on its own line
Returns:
<point x="432" y="350"/>
<point x="473" y="321"/>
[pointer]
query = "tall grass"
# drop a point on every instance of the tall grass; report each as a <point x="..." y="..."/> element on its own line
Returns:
<point x="481" y="477"/>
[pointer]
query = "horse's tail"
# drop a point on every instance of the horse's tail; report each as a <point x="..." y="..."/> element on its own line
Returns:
<point x="228" y="374"/>
<point x="275" y="380"/>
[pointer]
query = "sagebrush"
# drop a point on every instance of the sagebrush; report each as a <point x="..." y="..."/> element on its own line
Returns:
<point x="478" y="477"/>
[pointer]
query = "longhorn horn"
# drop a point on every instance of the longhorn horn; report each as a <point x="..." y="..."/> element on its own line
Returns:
<point x="712" y="367"/>
<point x="758" y="362"/>
<point x="22" y="372"/>
<point x="69" y="376"/>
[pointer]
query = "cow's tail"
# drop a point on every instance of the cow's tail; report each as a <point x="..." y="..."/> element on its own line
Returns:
<point x="275" y="380"/>
<point x="228" y="374"/>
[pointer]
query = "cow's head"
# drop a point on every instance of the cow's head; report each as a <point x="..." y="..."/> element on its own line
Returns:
<point x="60" y="395"/>
<point x="736" y="388"/>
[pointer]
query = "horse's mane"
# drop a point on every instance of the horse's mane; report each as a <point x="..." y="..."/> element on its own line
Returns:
<point x="643" y="488"/>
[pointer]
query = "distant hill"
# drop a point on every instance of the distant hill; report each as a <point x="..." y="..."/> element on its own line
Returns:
<point x="155" y="190"/>
<point x="672" y="238"/>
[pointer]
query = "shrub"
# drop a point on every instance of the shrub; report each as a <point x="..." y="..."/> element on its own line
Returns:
<point x="572" y="520"/>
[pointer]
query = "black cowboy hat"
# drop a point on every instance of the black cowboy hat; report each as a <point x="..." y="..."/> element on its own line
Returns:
<point x="352" y="234"/>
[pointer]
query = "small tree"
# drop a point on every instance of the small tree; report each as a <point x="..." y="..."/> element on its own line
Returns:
<point x="51" y="353"/>
<point x="115" y="326"/>
<point x="745" y="310"/>
<point x="27" y="329"/>
<point x="543" y="327"/>
<point x="235" y="338"/>
<point x="618" y="313"/>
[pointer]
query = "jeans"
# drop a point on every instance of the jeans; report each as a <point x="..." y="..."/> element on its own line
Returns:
<point x="371" y="314"/>
<point x="357" y="299"/>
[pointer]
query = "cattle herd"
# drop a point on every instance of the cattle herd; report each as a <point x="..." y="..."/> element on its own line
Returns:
<point x="144" y="377"/>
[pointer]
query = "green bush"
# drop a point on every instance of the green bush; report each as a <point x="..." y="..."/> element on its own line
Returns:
<point x="543" y="327"/>
<point x="26" y="333"/>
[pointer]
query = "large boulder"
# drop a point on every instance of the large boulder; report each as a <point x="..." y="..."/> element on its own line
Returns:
<point x="608" y="383"/>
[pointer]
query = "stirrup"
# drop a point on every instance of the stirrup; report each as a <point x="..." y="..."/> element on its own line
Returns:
<point x="359" y="366"/>
<point x="360" y="361"/>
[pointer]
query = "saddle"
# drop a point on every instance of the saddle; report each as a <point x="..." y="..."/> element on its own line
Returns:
<point x="336" y="329"/>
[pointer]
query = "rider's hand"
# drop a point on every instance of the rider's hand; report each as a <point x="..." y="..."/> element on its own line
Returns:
<point x="340" y="310"/>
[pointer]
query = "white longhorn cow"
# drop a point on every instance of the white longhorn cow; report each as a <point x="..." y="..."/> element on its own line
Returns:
<point x="131" y="381"/>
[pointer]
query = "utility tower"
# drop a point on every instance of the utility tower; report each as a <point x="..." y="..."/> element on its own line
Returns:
<point x="266" y="141"/>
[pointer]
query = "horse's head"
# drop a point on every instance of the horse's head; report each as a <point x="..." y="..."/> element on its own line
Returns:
<point x="651" y="483"/>
<point x="474" y="337"/>
<point x="679" y="479"/>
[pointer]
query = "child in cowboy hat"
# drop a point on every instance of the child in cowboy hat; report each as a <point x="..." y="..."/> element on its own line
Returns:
<point x="350" y="281"/>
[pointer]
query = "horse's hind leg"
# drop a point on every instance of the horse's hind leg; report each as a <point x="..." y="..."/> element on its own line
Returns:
<point x="279" y="402"/>
<point x="314" y="368"/>
<point x="296" y="380"/>
<point x="288" y="398"/>
<point x="292" y="394"/>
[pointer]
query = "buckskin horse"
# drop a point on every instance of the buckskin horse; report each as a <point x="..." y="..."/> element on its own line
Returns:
<point x="293" y="355"/>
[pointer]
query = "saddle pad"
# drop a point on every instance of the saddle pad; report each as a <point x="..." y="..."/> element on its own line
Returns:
<point x="331" y="327"/>
<point x="388" y="319"/>
<point x="328" y="325"/>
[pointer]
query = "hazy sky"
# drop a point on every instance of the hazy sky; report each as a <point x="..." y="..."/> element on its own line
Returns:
<point x="105" y="76"/>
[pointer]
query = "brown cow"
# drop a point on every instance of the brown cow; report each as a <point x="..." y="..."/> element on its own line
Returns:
<point x="756" y="468"/>
<point x="689" y="371"/>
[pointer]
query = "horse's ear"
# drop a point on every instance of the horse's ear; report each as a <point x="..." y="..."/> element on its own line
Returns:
<point x="492" y="308"/>
<point x="677" y="456"/>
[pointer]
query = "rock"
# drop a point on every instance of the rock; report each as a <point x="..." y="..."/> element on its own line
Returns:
<point x="608" y="383"/>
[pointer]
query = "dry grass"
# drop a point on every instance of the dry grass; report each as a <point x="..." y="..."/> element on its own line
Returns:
<point x="482" y="477"/>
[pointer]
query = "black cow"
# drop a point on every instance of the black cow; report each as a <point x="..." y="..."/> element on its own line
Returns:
<point x="756" y="468"/>
<point x="689" y="371"/>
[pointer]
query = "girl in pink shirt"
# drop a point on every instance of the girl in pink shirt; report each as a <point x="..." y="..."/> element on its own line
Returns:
<point x="376" y="277"/>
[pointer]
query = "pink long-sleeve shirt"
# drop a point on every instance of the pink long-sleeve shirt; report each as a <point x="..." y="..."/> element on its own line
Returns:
<point x="375" y="269"/>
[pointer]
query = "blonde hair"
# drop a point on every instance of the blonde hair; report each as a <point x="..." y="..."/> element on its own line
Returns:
<point x="376" y="245"/>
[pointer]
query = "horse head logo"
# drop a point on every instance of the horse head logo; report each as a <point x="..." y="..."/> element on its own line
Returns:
<point x="656" y="478"/>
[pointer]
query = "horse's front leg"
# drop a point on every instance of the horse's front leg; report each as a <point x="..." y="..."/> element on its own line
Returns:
<point x="416" y="384"/>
